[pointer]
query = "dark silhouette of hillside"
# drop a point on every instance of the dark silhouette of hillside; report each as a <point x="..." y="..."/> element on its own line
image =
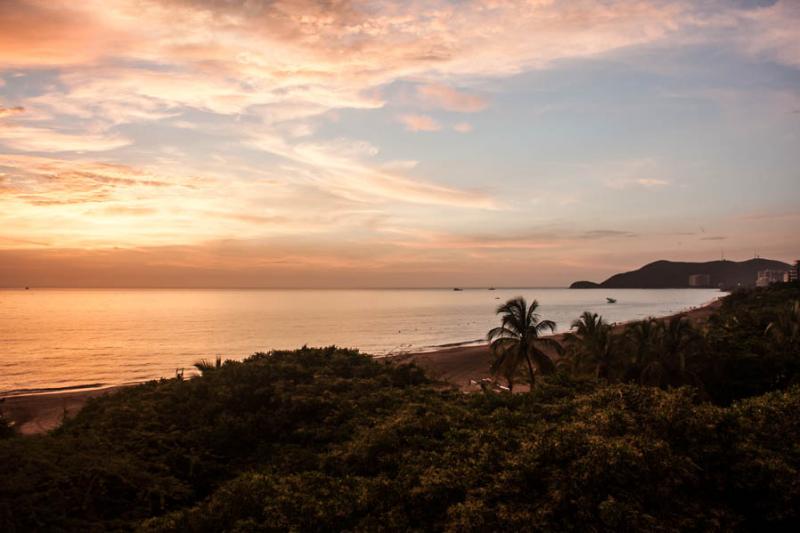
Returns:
<point x="675" y="275"/>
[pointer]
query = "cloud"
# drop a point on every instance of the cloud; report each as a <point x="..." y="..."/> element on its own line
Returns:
<point x="771" y="31"/>
<point x="419" y="123"/>
<point x="47" y="181"/>
<point x="625" y="183"/>
<point x="448" y="241"/>
<point x="340" y="168"/>
<point x="36" y="139"/>
<point x="603" y="234"/>
<point x="249" y="91"/>
<point x="651" y="182"/>
<point x="10" y="111"/>
<point x="450" y="99"/>
<point x="151" y="56"/>
<point x="628" y="173"/>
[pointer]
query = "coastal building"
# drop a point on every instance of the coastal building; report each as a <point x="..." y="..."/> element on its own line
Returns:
<point x="768" y="277"/>
<point x="700" y="280"/>
<point x="794" y="272"/>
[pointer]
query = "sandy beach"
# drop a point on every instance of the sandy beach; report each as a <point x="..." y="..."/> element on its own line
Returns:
<point x="461" y="366"/>
<point x="38" y="413"/>
<point x="465" y="365"/>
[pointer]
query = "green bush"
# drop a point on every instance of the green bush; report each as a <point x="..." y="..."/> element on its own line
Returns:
<point x="328" y="439"/>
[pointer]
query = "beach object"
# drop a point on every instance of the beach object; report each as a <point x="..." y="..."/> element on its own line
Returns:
<point x="611" y="300"/>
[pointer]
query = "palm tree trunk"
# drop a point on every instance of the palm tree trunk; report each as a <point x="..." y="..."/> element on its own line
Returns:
<point x="530" y="370"/>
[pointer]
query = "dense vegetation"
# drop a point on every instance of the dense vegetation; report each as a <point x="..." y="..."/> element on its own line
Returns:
<point x="5" y="426"/>
<point x="327" y="439"/>
<point x="750" y="346"/>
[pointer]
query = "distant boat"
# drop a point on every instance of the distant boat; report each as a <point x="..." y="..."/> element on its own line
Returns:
<point x="457" y="289"/>
<point x="611" y="300"/>
<point x="27" y="288"/>
<point x="491" y="288"/>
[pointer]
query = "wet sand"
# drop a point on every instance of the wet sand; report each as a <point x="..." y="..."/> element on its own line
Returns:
<point x="39" y="413"/>
<point x="461" y="366"/>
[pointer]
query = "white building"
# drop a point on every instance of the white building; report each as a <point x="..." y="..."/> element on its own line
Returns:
<point x="768" y="277"/>
<point x="794" y="272"/>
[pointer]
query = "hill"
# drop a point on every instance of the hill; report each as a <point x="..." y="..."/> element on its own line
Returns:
<point x="675" y="275"/>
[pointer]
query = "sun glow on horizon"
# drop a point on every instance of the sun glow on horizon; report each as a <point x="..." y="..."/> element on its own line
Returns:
<point x="192" y="142"/>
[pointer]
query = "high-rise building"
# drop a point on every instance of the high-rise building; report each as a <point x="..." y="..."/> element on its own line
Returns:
<point x="794" y="272"/>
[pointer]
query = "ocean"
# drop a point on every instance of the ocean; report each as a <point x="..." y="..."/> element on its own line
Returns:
<point x="54" y="339"/>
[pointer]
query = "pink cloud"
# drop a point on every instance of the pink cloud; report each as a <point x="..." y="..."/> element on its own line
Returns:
<point x="451" y="99"/>
<point x="463" y="127"/>
<point x="419" y="123"/>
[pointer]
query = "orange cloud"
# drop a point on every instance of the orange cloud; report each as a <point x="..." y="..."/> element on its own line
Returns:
<point x="35" y="139"/>
<point x="10" y="111"/>
<point x="42" y="33"/>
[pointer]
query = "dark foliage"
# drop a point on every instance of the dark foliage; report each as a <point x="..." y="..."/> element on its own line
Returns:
<point x="327" y="439"/>
<point x="6" y="430"/>
<point x="750" y="346"/>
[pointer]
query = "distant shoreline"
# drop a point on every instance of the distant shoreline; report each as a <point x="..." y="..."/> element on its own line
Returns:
<point x="38" y="412"/>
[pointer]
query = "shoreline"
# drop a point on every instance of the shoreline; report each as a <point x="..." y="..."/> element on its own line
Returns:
<point x="33" y="414"/>
<point x="463" y="366"/>
<point x="39" y="412"/>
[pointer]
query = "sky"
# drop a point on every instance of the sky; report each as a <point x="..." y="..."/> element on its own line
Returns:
<point x="225" y="143"/>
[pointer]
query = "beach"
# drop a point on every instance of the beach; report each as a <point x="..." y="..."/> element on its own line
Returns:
<point x="38" y="413"/>
<point x="461" y="366"/>
<point x="465" y="366"/>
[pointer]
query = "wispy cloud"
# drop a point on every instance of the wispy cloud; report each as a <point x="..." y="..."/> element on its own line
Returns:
<point x="36" y="139"/>
<point x="341" y="168"/>
<point x="419" y="123"/>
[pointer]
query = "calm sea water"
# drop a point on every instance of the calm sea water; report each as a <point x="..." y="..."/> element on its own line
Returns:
<point x="67" y="338"/>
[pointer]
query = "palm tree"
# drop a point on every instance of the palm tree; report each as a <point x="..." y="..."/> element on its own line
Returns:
<point x="520" y="339"/>
<point x="785" y="329"/>
<point x="591" y="337"/>
<point x="642" y="339"/>
<point x="204" y="365"/>
<point x="675" y="339"/>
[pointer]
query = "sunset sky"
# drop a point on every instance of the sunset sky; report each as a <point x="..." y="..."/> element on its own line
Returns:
<point x="392" y="144"/>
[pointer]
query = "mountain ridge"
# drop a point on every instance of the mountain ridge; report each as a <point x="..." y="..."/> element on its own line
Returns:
<point x="664" y="274"/>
